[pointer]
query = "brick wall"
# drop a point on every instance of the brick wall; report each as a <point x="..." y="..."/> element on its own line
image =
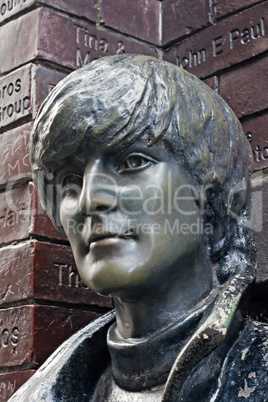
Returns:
<point x="42" y="299"/>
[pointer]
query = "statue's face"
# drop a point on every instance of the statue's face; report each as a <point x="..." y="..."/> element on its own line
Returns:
<point x="132" y="219"/>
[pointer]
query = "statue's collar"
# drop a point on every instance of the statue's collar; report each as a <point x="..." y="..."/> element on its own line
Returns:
<point x="144" y="363"/>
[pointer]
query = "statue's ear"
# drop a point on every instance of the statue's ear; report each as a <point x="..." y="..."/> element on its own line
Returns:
<point x="209" y="191"/>
<point x="216" y="207"/>
<point x="227" y="212"/>
<point x="221" y="199"/>
<point x="239" y="201"/>
<point x="212" y="208"/>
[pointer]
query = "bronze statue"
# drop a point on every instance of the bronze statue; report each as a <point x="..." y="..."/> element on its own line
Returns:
<point x="147" y="171"/>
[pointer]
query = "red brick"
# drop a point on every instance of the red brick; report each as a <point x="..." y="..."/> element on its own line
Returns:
<point x="223" y="7"/>
<point x="43" y="271"/>
<point x="23" y="91"/>
<point x="140" y="18"/>
<point x="15" y="95"/>
<point x="29" y="334"/>
<point x="11" y="382"/>
<point x="15" y="210"/>
<point x="16" y="275"/>
<point x="19" y="41"/>
<point x="41" y="225"/>
<point x="15" y="163"/>
<point x="182" y="18"/>
<point x="63" y="41"/>
<point x="256" y="130"/>
<point x="21" y="215"/>
<point x="37" y="82"/>
<point x="82" y="8"/>
<point x="44" y="80"/>
<point x="221" y="45"/>
<point x="261" y="285"/>
<point x="245" y="89"/>
<point x="71" y="44"/>
<point x="212" y="82"/>
<point x="56" y="277"/>
<point x="154" y="21"/>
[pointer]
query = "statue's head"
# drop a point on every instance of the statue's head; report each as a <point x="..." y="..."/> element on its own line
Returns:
<point x="147" y="171"/>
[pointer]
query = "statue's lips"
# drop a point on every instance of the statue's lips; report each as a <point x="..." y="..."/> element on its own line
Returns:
<point x="109" y="238"/>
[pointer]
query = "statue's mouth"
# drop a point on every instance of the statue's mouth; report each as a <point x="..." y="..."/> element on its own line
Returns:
<point x="101" y="237"/>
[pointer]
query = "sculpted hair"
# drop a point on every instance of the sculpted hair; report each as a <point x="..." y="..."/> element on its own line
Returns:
<point x="116" y="99"/>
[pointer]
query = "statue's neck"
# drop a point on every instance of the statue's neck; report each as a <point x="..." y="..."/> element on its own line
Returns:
<point x="143" y="363"/>
<point x="155" y="309"/>
<point x="157" y="321"/>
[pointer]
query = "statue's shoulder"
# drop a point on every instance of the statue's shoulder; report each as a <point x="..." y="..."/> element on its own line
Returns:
<point x="246" y="374"/>
<point x="235" y="371"/>
<point x="72" y="370"/>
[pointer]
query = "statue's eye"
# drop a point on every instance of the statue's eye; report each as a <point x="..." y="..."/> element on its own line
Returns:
<point x="136" y="162"/>
<point x="72" y="180"/>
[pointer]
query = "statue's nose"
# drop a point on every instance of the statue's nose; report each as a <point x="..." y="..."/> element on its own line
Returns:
<point x="99" y="191"/>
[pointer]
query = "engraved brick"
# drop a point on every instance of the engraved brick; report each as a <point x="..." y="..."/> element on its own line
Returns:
<point x="224" y="44"/>
<point x="140" y="18"/>
<point x="223" y="7"/>
<point x="11" y="382"/>
<point x="82" y="8"/>
<point x="41" y="225"/>
<point x="23" y="91"/>
<point x="180" y="18"/>
<point x="15" y="163"/>
<point x="15" y="209"/>
<point x="44" y="80"/>
<point x="73" y="44"/>
<point x="15" y="95"/>
<point x="245" y="89"/>
<point x="212" y="82"/>
<point x="8" y="8"/>
<point x="21" y="215"/>
<point x="29" y="334"/>
<point x="43" y="271"/>
<point x="260" y="184"/>
<point x="256" y="130"/>
<point x="57" y="278"/>
<point x="16" y="275"/>
<point x="62" y="40"/>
